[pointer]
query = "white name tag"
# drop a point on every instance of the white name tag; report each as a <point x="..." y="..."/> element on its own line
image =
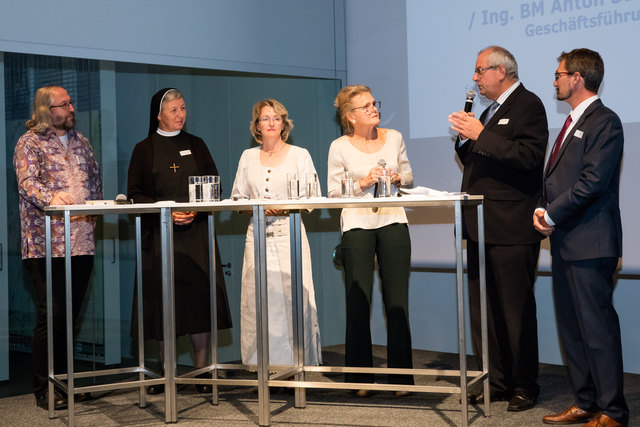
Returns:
<point x="579" y="134"/>
<point x="503" y="121"/>
<point x="185" y="153"/>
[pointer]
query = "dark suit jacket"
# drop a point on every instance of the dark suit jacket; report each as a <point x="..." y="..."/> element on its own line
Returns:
<point x="505" y="165"/>
<point x="582" y="188"/>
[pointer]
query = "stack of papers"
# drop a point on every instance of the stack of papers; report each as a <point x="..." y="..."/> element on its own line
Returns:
<point x="425" y="191"/>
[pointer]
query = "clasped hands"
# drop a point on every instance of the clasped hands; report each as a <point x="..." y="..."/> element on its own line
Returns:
<point x="61" y="198"/>
<point x="375" y="173"/>
<point x="183" y="218"/>
<point x="540" y="224"/>
<point x="466" y="125"/>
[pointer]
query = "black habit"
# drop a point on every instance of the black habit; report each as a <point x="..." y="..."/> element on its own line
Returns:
<point x="159" y="170"/>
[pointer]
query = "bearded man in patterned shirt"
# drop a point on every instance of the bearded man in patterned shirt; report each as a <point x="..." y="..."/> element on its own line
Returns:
<point x="54" y="165"/>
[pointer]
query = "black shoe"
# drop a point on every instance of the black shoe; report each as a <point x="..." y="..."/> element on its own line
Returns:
<point x="204" y="388"/>
<point x="155" y="389"/>
<point x="82" y="397"/>
<point x="59" y="401"/>
<point x="496" y="396"/>
<point x="521" y="401"/>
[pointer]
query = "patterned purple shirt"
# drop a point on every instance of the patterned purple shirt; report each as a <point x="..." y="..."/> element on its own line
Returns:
<point x="44" y="167"/>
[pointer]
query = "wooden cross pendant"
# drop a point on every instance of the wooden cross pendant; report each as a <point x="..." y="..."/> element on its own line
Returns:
<point x="174" y="167"/>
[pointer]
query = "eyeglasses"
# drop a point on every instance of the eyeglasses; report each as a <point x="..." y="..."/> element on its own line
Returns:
<point x="275" y="119"/>
<point x="480" y="71"/>
<point x="369" y="108"/>
<point x="65" y="105"/>
<point x="561" y="73"/>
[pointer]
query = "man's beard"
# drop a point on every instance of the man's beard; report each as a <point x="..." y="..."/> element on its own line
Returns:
<point x="68" y="122"/>
<point x="563" y="96"/>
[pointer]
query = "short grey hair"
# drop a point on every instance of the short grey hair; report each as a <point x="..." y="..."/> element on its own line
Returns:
<point x="501" y="56"/>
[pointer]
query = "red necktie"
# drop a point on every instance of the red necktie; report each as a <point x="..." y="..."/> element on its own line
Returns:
<point x="558" y="143"/>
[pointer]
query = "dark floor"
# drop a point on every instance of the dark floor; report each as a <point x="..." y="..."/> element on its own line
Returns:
<point x="239" y="405"/>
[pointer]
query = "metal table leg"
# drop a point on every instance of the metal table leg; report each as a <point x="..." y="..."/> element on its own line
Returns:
<point x="168" y="294"/>
<point x="297" y="299"/>
<point x="213" y="303"/>
<point x="49" y="280"/>
<point x="141" y="365"/>
<point x="262" y="315"/>
<point x="69" y="317"/>
<point x="483" y="309"/>
<point x="462" y="344"/>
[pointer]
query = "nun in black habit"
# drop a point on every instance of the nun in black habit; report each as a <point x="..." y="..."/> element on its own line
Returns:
<point x="159" y="169"/>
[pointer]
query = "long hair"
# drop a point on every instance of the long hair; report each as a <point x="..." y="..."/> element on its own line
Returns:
<point x="41" y="114"/>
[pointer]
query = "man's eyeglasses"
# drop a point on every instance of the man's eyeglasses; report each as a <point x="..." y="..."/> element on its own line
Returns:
<point x="369" y="108"/>
<point x="561" y="73"/>
<point x="275" y="119"/>
<point x="65" y="105"/>
<point x="480" y="71"/>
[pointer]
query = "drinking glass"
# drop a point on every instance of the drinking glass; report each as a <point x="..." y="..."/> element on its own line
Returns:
<point x="311" y="185"/>
<point x="211" y="188"/>
<point x="384" y="185"/>
<point x="293" y="186"/>
<point x="347" y="184"/>
<point x="195" y="189"/>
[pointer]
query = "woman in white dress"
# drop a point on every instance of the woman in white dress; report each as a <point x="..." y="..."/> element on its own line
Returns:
<point x="262" y="173"/>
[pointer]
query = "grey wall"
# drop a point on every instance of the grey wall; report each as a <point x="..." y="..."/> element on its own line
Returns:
<point x="292" y="37"/>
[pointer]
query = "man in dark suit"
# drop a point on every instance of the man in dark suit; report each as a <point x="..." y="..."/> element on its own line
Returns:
<point x="581" y="215"/>
<point x="503" y="158"/>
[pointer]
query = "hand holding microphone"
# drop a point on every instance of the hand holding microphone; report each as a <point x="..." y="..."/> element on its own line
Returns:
<point x="468" y="102"/>
<point x="464" y="122"/>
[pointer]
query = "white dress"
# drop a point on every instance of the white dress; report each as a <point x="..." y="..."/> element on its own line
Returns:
<point x="256" y="181"/>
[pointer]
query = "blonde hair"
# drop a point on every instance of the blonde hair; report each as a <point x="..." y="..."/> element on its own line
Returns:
<point x="279" y="109"/>
<point x="344" y="104"/>
<point x="41" y="114"/>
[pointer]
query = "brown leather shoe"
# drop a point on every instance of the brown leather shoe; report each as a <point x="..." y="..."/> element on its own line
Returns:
<point x="603" y="420"/>
<point x="573" y="415"/>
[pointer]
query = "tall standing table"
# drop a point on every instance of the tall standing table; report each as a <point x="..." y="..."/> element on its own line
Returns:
<point x="66" y="382"/>
<point x="298" y="369"/>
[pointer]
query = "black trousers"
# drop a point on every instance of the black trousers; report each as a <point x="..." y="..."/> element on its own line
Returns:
<point x="392" y="246"/>
<point x="511" y="314"/>
<point x="81" y="267"/>
<point x="589" y="331"/>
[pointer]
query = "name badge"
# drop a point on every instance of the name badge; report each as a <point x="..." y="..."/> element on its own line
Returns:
<point x="503" y="121"/>
<point x="185" y="153"/>
<point x="579" y="134"/>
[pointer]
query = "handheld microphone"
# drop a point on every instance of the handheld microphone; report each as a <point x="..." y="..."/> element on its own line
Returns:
<point x="468" y="103"/>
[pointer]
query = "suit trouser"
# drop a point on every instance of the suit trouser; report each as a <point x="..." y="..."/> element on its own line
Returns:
<point x="392" y="247"/>
<point x="511" y="314"/>
<point x="589" y="330"/>
<point x="81" y="267"/>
